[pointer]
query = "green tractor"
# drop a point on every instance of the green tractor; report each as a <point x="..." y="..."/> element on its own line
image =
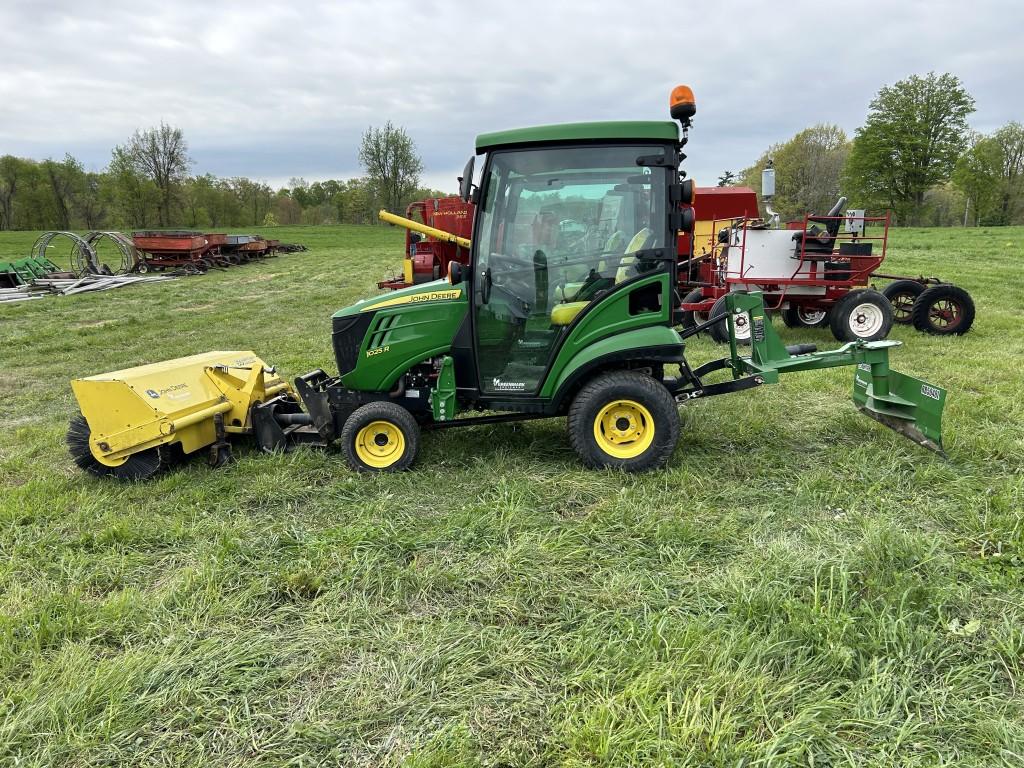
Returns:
<point x="568" y="308"/>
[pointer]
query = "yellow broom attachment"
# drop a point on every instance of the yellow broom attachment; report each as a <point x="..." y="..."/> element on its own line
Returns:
<point x="133" y="422"/>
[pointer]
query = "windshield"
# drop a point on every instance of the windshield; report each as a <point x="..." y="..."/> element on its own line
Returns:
<point x="580" y="206"/>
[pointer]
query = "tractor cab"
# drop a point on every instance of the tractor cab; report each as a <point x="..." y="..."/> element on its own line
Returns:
<point x="569" y="217"/>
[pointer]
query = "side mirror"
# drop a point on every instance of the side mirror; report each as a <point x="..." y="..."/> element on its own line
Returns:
<point x="455" y="272"/>
<point x="466" y="180"/>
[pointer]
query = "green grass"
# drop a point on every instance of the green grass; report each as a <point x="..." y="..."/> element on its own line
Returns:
<point x="800" y="587"/>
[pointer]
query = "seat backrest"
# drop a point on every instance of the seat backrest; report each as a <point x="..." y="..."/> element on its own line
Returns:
<point x="627" y="265"/>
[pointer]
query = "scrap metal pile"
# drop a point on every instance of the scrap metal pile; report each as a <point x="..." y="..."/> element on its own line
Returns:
<point x="64" y="263"/>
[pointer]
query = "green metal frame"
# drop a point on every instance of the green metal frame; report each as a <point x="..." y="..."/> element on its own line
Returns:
<point x="910" y="406"/>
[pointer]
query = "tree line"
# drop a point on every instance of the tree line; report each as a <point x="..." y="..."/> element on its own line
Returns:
<point x="148" y="184"/>
<point x="915" y="156"/>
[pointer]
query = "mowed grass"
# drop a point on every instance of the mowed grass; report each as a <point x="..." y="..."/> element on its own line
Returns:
<point x="800" y="587"/>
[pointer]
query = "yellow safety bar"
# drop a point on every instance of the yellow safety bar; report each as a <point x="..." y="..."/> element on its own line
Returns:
<point x="423" y="229"/>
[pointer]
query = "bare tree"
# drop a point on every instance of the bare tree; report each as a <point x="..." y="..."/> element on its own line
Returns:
<point x="389" y="156"/>
<point x="161" y="155"/>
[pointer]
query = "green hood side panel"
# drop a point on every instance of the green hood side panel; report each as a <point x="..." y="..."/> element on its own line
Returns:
<point x="406" y="328"/>
<point x="610" y="327"/>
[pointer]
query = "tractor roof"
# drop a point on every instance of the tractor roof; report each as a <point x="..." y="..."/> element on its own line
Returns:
<point x="624" y="130"/>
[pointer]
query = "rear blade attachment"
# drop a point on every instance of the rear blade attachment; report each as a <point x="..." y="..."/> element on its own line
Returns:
<point x="907" y="405"/>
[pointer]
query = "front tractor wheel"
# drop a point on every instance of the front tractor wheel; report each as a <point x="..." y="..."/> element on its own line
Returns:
<point x="380" y="437"/>
<point x="862" y="315"/>
<point x="624" y="420"/>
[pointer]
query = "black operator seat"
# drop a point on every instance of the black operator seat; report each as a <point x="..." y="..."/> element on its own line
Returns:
<point x="817" y="240"/>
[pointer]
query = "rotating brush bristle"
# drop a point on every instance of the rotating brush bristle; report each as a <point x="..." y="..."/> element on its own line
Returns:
<point x="138" y="466"/>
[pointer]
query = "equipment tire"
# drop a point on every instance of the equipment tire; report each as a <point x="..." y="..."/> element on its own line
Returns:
<point x="380" y="437"/>
<point x="692" y="319"/>
<point x="862" y="315"/>
<point x="624" y="420"/>
<point x="795" y="316"/>
<point x="720" y="330"/>
<point x="943" y="310"/>
<point x="142" y="267"/>
<point x="902" y="294"/>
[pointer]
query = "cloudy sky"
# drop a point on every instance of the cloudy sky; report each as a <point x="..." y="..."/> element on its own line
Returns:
<point x="276" y="90"/>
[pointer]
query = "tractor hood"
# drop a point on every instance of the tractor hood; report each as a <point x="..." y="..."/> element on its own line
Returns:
<point x="378" y="339"/>
<point x="436" y="290"/>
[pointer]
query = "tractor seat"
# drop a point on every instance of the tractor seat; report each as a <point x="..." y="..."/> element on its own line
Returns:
<point x="564" y="314"/>
<point x="818" y="243"/>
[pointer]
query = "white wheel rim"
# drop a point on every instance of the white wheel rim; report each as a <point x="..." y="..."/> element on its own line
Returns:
<point x="866" y="320"/>
<point x="741" y="325"/>
<point x="810" y="316"/>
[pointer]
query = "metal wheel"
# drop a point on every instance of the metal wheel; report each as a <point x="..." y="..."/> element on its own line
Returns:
<point x="796" y="316"/>
<point x="863" y="315"/>
<point x="943" y="310"/>
<point x="902" y="294"/>
<point x="720" y="330"/>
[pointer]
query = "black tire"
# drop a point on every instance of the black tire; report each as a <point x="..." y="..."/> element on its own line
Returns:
<point x="795" y="316"/>
<point x="692" y="319"/>
<point x="902" y="294"/>
<point x="142" y="267"/>
<point x="720" y="330"/>
<point x="862" y="315"/>
<point x="649" y="418"/>
<point x="943" y="310"/>
<point x="370" y="438"/>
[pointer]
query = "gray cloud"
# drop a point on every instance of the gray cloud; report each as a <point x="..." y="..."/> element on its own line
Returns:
<point x="273" y="90"/>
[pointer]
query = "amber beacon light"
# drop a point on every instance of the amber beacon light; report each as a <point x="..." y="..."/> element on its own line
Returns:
<point x="681" y="104"/>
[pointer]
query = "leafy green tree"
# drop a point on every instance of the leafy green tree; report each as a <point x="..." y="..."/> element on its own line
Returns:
<point x="63" y="179"/>
<point x="914" y="134"/>
<point x="808" y="170"/>
<point x="389" y="156"/>
<point x="15" y="175"/>
<point x="978" y="174"/>
<point x="726" y="179"/>
<point x="1011" y="143"/>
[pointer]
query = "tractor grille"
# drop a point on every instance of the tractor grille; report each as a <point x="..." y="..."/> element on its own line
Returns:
<point x="347" y="338"/>
<point x="382" y="331"/>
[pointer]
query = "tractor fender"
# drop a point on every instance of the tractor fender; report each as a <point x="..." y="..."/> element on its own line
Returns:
<point x="657" y="344"/>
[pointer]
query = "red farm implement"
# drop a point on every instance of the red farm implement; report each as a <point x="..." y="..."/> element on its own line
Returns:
<point x="818" y="271"/>
<point x="428" y="258"/>
<point x="171" y="249"/>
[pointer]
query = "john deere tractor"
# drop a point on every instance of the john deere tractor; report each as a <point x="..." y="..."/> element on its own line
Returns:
<point x="568" y="308"/>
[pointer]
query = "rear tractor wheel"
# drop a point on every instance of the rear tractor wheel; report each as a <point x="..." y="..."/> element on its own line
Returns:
<point x="902" y="294"/>
<point x="624" y="420"/>
<point x="862" y="315"/>
<point x="380" y="437"/>
<point x="943" y="310"/>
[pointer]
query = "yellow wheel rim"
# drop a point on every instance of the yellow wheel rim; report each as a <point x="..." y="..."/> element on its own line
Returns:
<point x="380" y="444"/>
<point x="624" y="429"/>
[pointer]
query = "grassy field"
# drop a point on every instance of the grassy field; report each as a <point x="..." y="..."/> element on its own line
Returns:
<point x="800" y="587"/>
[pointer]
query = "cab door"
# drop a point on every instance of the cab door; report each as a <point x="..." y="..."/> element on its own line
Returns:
<point x="553" y="233"/>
